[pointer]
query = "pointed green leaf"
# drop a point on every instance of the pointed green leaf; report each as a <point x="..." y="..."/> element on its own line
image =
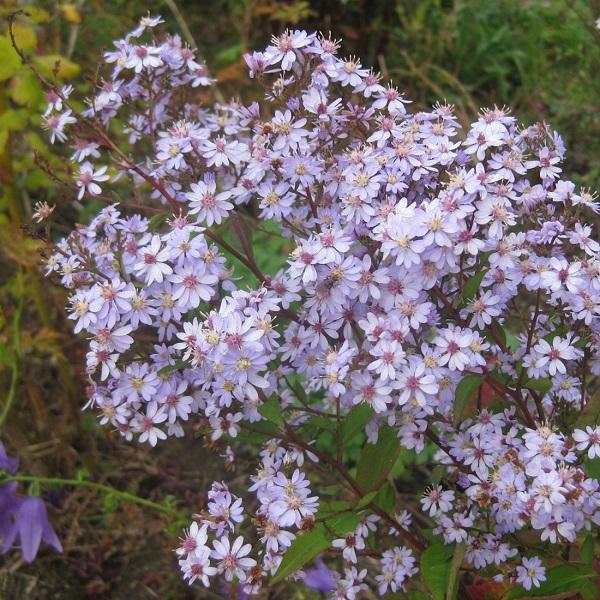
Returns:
<point x="157" y="220"/>
<point x="464" y="391"/>
<point x="376" y="460"/>
<point x="355" y="421"/>
<point x="539" y="385"/>
<point x="179" y="364"/>
<point x="472" y="286"/>
<point x="435" y="567"/>
<point x="590" y="415"/>
<point x="454" y="574"/>
<point x="366" y="500"/>
<point x="386" y="497"/>
<point x="271" y="411"/>
<point x="304" y="548"/>
<point x="587" y="549"/>
<point x="344" y="523"/>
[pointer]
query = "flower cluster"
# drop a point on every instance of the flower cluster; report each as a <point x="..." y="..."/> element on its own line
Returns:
<point x="444" y="281"/>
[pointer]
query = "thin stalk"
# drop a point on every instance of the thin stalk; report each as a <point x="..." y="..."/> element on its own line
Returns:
<point x="14" y="379"/>
<point x="125" y="496"/>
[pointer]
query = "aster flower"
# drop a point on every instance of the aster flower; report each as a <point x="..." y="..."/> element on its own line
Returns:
<point x="452" y="344"/>
<point x="207" y="204"/>
<point x="56" y="124"/>
<point x="283" y="48"/>
<point x="484" y="309"/>
<point x="143" y="57"/>
<point x="588" y="440"/>
<point x="349" y="545"/>
<point x="553" y="355"/>
<point x="88" y="180"/>
<point x="146" y="424"/>
<point x="389" y="357"/>
<point x="530" y="573"/>
<point x="192" y="284"/>
<point x="220" y="152"/>
<point x="374" y="392"/>
<point x="437" y="500"/>
<point x="194" y="540"/>
<point x="415" y="384"/>
<point x="232" y="559"/>
<point x="152" y="263"/>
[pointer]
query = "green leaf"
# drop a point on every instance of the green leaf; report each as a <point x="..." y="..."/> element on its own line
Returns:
<point x="366" y="500"/>
<point x="539" y="385"/>
<point x="457" y="560"/>
<point x="329" y="490"/>
<point x="590" y="413"/>
<point x="110" y="503"/>
<point x="10" y="62"/>
<point x="464" y="391"/>
<point x="271" y="410"/>
<point x="230" y="55"/>
<point x="264" y="432"/>
<point x="304" y="548"/>
<point x="560" y="578"/>
<point x="591" y="466"/>
<point x="472" y="286"/>
<point x="560" y="331"/>
<point x="437" y="474"/>
<point x="435" y="567"/>
<point x="355" y="421"/>
<point x="344" y="523"/>
<point x="335" y="506"/>
<point x="587" y="549"/>
<point x="157" y="220"/>
<point x="179" y="364"/>
<point x="321" y="422"/>
<point x="512" y="341"/>
<point x="376" y="460"/>
<point x="386" y="497"/>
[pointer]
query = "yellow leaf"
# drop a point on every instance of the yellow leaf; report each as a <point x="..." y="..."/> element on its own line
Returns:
<point x="36" y="15"/>
<point x="25" y="37"/>
<point x="25" y="89"/>
<point x="18" y="247"/>
<point x="70" y="13"/>
<point x="10" y="62"/>
<point x="3" y="140"/>
<point x="65" y="68"/>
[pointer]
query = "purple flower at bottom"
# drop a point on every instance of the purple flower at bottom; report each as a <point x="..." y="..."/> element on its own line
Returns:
<point x="320" y="578"/>
<point x="9" y="504"/>
<point x="232" y="592"/>
<point x="6" y="463"/>
<point x="31" y="526"/>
